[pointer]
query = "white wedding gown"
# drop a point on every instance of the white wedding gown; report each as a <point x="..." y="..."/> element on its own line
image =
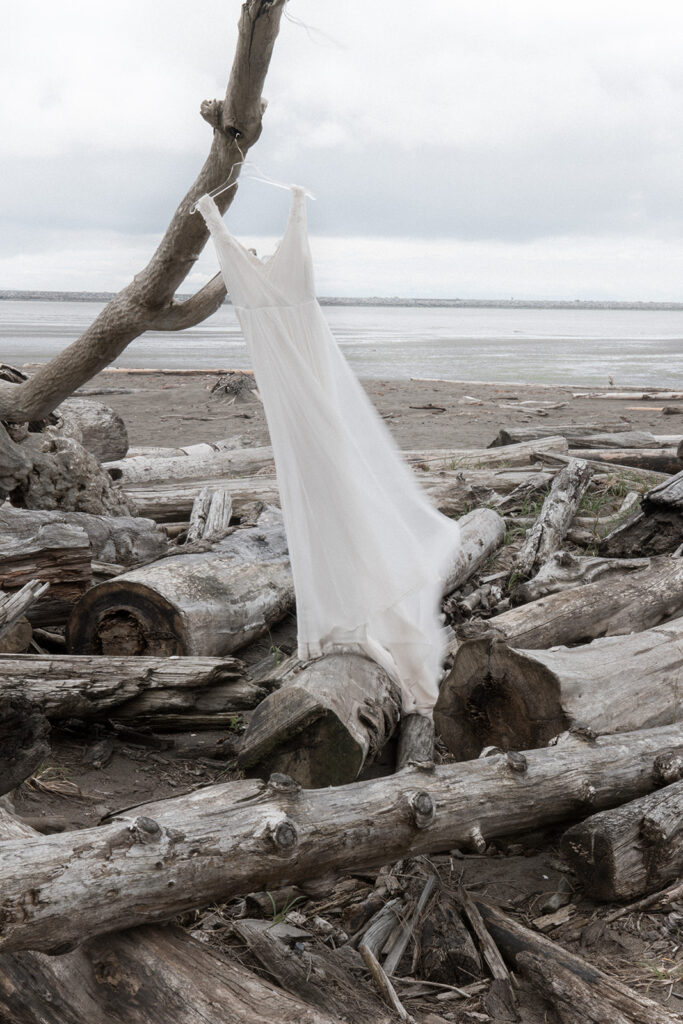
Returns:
<point x="369" y="553"/>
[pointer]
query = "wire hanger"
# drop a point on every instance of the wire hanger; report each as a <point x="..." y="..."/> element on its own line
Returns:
<point x="258" y="176"/>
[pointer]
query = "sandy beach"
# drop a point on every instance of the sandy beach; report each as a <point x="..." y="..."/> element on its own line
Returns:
<point x="179" y="409"/>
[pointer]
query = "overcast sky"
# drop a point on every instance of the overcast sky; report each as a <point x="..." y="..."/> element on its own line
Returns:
<point x="493" y="149"/>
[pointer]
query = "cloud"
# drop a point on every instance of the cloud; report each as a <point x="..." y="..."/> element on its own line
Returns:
<point x="526" y="127"/>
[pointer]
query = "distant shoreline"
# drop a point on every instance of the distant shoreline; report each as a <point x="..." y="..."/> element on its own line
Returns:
<point x="420" y="303"/>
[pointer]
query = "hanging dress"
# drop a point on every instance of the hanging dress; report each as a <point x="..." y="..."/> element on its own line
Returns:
<point x="369" y="553"/>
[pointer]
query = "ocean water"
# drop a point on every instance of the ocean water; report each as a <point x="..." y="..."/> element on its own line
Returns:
<point x="554" y="346"/>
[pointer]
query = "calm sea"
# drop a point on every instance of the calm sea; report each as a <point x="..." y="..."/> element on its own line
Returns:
<point x="578" y="346"/>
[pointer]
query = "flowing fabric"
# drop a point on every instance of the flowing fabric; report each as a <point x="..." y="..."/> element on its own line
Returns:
<point x="369" y="554"/>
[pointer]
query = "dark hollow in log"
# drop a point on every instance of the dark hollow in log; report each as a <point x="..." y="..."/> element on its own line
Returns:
<point x="24" y="730"/>
<point x="517" y="942"/>
<point x="98" y="428"/>
<point x="631" y="850"/>
<point x="197" y="605"/>
<point x="656" y="527"/>
<point x="74" y="686"/>
<point x="608" y="607"/>
<point x="516" y="699"/>
<point x="162" y="858"/>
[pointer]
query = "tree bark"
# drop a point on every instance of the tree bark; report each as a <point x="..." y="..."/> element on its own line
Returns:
<point x="517" y="699"/>
<point x="204" y="605"/>
<point x="123" y="540"/>
<point x="70" y="686"/>
<point x="98" y="428"/>
<point x="555" y="517"/>
<point x="608" y="607"/>
<point x="631" y="850"/>
<point x="524" y="948"/>
<point x="162" y="858"/>
<point x="147" y="303"/>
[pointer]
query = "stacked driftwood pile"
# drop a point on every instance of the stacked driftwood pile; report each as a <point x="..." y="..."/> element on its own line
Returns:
<point x="131" y="580"/>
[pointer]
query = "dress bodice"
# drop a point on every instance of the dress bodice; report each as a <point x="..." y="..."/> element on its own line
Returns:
<point x="283" y="279"/>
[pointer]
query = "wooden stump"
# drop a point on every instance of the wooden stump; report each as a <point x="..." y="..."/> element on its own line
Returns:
<point x="517" y="699"/>
<point x="631" y="850"/>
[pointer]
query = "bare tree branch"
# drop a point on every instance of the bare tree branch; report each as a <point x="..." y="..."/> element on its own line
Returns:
<point x="147" y="302"/>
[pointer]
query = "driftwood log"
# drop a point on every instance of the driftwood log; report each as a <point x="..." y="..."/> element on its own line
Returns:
<point x="98" y="428"/>
<point x="587" y="435"/>
<point x="657" y="460"/>
<point x="124" y="540"/>
<point x="159" y="859"/>
<point x="196" y="604"/>
<point x="656" y="527"/>
<point x="204" y="465"/>
<point x="210" y="516"/>
<point x="51" y="552"/>
<point x="579" y="991"/>
<point x="328" y="718"/>
<point x="630" y="850"/>
<point x="142" y="976"/>
<point x="564" y="571"/>
<point x="608" y="607"/>
<point x="516" y="699"/>
<point x="73" y="686"/>
<point x="555" y="517"/>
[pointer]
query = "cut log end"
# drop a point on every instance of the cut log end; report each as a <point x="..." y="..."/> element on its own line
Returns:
<point x="137" y="623"/>
<point x="495" y="697"/>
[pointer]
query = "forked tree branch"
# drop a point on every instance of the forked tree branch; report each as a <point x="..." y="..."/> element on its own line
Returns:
<point x="147" y="302"/>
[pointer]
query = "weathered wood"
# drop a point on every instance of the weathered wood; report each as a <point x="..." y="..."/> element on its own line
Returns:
<point x="324" y="722"/>
<point x="316" y="978"/>
<point x="125" y="540"/>
<point x="559" y="508"/>
<point x="17" y="638"/>
<point x="515" y="941"/>
<point x="15" y="464"/>
<point x="629" y="474"/>
<point x="73" y="686"/>
<point x="608" y="607"/>
<point x="210" y="517"/>
<point x="13" y="606"/>
<point x="240" y="837"/>
<point x="516" y="699"/>
<point x="658" y="460"/>
<point x="23" y="740"/>
<point x="572" y="431"/>
<point x="196" y="604"/>
<point x="524" y="454"/>
<point x="447" y="952"/>
<point x="656" y="527"/>
<point x="482" y="531"/>
<point x="172" y="502"/>
<point x="98" y="428"/>
<point x="564" y="571"/>
<point x="415" y="741"/>
<point x="51" y="552"/>
<point x="630" y="850"/>
<point x="327" y="718"/>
